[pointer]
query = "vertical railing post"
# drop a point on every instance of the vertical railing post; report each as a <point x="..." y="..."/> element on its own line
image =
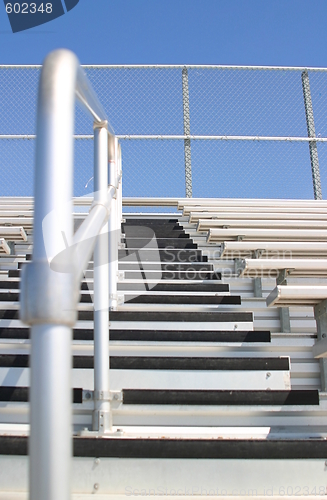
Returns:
<point x="50" y="284"/>
<point x="48" y="304"/>
<point x="311" y="133"/>
<point x="187" y="131"/>
<point x="120" y="189"/>
<point x="101" y="414"/>
<point x="114" y="230"/>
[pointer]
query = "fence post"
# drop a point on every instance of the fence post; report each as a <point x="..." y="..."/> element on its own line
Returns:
<point x="311" y="133"/>
<point x="187" y="131"/>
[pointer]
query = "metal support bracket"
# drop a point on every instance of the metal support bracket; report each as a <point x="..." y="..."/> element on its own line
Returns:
<point x="284" y="317"/>
<point x="257" y="287"/>
<point x="111" y="396"/>
<point x="120" y="300"/>
<point x="284" y="312"/>
<point x="257" y="282"/>
<point x="11" y="245"/>
<point x="116" y="397"/>
<point x="282" y="277"/>
<point x="320" y="312"/>
<point x="256" y="254"/>
<point x="102" y="418"/>
<point x="238" y="266"/>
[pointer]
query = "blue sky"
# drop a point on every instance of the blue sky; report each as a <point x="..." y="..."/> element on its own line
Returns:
<point x="267" y="32"/>
<point x="235" y="32"/>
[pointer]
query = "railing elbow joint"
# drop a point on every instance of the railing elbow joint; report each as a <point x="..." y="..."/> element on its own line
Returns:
<point x="101" y="124"/>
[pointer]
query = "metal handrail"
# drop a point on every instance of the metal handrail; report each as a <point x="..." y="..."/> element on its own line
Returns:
<point x="50" y="285"/>
<point x="278" y="138"/>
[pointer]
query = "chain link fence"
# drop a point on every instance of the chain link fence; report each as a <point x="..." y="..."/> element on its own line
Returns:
<point x="205" y="131"/>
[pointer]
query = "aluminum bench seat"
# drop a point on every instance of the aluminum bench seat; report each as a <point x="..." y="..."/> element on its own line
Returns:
<point x="7" y="211"/>
<point x="4" y="247"/>
<point x="27" y="222"/>
<point x="207" y="224"/>
<point x="271" y="267"/>
<point x="250" y="202"/>
<point x="263" y="234"/>
<point x="215" y="217"/>
<point x="11" y="233"/>
<point x="299" y="295"/>
<point x="243" y="249"/>
<point x="257" y="209"/>
<point x="27" y="202"/>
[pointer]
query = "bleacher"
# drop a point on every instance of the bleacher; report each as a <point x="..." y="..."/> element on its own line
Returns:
<point x="156" y="346"/>
<point x="200" y="368"/>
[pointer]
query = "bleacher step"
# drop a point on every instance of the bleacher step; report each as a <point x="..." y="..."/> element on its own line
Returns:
<point x="142" y="335"/>
<point x="181" y="448"/>
<point x="164" y="363"/>
<point x="179" y="316"/>
<point x="222" y="398"/>
<point x="182" y="299"/>
<point x="168" y="254"/>
<point x="209" y="286"/>
<point x="177" y="243"/>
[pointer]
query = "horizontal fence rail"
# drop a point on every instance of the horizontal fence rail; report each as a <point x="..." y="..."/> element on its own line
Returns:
<point x="186" y="130"/>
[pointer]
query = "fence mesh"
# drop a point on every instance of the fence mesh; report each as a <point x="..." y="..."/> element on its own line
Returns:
<point x="148" y="101"/>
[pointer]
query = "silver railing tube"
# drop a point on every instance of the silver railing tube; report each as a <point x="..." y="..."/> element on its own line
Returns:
<point x="101" y="414"/>
<point x="50" y="283"/>
<point x="120" y="191"/>
<point x="114" y="230"/>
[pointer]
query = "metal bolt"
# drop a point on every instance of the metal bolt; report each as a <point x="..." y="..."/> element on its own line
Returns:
<point x="268" y="374"/>
<point x="96" y="486"/>
<point x="326" y="463"/>
<point x="87" y="395"/>
<point x="97" y="461"/>
<point x="236" y="326"/>
<point x="115" y="397"/>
